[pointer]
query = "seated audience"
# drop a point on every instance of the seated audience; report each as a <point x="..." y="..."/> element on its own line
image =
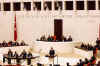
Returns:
<point x="43" y="38"/>
<point x="22" y="43"/>
<point x="4" y="57"/>
<point x="54" y="38"/>
<point x="16" y="43"/>
<point x="39" y="64"/>
<point x="93" y="60"/>
<point x="82" y="45"/>
<point x="10" y="53"/>
<point x="77" y="64"/>
<point x="17" y="57"/>
<point x="86" y="47"/>
<point x="1" y="45"/>
<point x="64" y="38"/>
<point x="98" y="63"/>
<point x="97" y="41"/>
<point x="70" y="38"/>
<point x="16" y="54"/>
<point x="68" y="64"/>
<point x="4" y="43"/>
<point x="86" y="61"/>
<point x="10" y="43"/>
<point x="95" y="51"/>
<point x="49" y="38"/>
<point x="81" y="63"/>
<point x="29" y="55"/>
<point x="23" y="54"/>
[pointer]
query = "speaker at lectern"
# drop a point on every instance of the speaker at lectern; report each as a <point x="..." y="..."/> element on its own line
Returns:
<point x="50" y="64"/>
<point x="39" y="64"/>
<point x="56" y="65"/>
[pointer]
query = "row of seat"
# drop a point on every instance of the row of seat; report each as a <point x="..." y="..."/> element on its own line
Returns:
<point x="12" y="43"/>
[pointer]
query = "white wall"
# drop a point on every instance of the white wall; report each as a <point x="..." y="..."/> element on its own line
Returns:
<point x="31" y="25"/>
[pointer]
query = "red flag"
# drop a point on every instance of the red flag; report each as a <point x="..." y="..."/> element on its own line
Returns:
<point x="15" y="29"/>
<point x="99" y="32"/>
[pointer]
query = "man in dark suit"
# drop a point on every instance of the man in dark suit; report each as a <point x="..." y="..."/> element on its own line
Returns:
<point x="52" y="52"/>
<point x="23" y="54"/>
<point x="4" y="44"/>
<point x="22" y="43"/>
<point x="10" y="54"/>
<point x="97" y="41"/>
<point x="29" y="55"/>
<point x="17" y="57"/>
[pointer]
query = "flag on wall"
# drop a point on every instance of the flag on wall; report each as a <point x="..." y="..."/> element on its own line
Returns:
<point x="15" y="29"/>
<point x="99" y="32"/>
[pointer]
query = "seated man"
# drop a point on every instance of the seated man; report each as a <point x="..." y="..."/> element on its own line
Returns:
<point x="82" y="45"/>
<point x="81" y="63"/>
<point x="5" y="44"/>
<point x="10" y="43"/>
<point x="68" y="64"/>
<point x="86" y="61"/>
<point x="70" y="38"/>
<point x="23" y="54"/>
<point x="93" y="60"/>
<point x="97" y="41"/>
<point x="10" y="53"/>
<point x="16" y="54"/>
<point x="98" y="63"/>
<point x="52" y="52"/>
<point x="29" y="55"/>
<point x="22" y="43"/>
<point x="16" y="43"/>
<point x="4" y="57"/>
<point x="17" y="57"/>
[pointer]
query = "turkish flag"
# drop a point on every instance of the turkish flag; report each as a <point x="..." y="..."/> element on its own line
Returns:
<point x="15" y="29"/>
<point x="99" y="31"/>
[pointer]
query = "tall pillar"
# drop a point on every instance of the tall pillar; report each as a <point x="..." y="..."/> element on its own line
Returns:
<point x="22" y="6"/>
<point x="42" y="4"/>
<point x="97" y="4"/>
<point x="2" y="6"/>
<point x="85" y="5"/>
<point x="52" y="5"/>
<point x="74" y="5"/>
<point x="31" y="5"/>
<point x="11" y="6"/>
<point x="63" y="5"/>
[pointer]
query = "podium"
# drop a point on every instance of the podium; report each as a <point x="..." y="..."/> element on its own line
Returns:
<point x="56" y="65"/>
<point x="39" y="64"/>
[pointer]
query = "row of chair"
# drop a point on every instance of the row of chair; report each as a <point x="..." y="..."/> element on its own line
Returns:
<point x="12" y="43"/>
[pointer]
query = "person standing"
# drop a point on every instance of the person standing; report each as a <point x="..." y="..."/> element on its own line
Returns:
<point x="52" y="52"/>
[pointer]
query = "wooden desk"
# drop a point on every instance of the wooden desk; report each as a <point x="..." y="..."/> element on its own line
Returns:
<point x="18" y="59"/>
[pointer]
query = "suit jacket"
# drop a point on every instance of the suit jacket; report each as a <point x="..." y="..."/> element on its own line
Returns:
<point x="52" y="52"/>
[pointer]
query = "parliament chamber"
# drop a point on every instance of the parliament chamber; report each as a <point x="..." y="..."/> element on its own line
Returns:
<point x="49" y="32"/>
